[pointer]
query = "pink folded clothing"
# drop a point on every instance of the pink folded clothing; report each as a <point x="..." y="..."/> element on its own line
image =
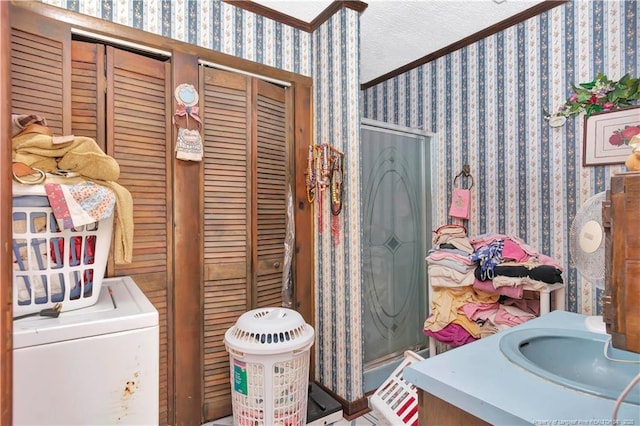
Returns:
<point x="475" y="311"/>
<point x="487" y="286"/>
<point x="436" y="255"/>
<point x="452" y="334"/>
<point x="517" y="248"/>
<point x="513" y="251"/>
<point x="510" y="315"/>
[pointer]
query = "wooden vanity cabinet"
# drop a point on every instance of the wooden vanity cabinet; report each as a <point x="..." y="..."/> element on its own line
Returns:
<point x="435" y="411"/>
<point x="621" y="304"/>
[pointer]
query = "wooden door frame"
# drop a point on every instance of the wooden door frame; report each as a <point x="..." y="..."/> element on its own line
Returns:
<point x="302" y="137"/>
<point x="6" y="269"/>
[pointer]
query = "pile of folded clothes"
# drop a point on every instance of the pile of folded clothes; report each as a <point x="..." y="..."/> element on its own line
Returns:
<point x="477" y="284"/>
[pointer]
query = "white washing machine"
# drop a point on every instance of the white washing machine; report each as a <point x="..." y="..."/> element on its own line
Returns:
<point x="92" y="366"/>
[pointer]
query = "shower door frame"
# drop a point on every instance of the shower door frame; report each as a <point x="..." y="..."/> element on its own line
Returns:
<point x="377" y="370"/>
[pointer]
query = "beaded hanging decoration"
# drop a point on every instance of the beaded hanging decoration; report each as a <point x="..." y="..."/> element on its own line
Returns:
<point x="324" y="174"/>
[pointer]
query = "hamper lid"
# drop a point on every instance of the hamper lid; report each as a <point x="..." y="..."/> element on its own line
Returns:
<point x="269" y="331"/>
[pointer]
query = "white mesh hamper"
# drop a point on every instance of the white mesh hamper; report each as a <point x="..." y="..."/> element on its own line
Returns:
<point x="269" y="360"/>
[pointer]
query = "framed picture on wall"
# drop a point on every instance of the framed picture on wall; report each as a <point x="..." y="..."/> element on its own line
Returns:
<point x="607" y="134"/>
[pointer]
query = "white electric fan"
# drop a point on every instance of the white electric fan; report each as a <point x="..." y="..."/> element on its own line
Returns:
<point x="586" y="247"/>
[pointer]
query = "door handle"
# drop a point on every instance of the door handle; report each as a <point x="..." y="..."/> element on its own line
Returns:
<point x="276" y="265"/>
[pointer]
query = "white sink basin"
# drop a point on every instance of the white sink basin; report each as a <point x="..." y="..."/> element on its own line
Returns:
<point x="574" y="359"/>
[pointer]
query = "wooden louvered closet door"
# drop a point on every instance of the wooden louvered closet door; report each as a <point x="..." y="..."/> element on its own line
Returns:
<point x="139" y="132"/>
<point x="270" y="203"/>
<point x="245" y="164"/>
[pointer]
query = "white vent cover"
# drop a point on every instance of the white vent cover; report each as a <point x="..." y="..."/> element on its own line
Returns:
<point x="269" y="331"/>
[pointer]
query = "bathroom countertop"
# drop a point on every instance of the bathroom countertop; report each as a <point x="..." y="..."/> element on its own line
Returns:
<point x="480" y="380"/>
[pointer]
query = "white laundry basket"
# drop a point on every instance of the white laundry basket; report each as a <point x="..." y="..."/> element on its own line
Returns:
<point x="53" y="265"/>
<point x="269" y="359"/>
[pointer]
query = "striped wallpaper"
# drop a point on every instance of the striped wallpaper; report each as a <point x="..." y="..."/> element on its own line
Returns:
<point x="485" y="103"/>
<point x="338" y="266"/>
<point x="208" y="23"/>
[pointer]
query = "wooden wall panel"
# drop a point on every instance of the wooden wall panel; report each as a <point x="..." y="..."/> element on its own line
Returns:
<point x="6" y="268"/>
<point x="187" y="307"/>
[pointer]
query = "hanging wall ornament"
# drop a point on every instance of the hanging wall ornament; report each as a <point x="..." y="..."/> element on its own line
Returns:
<point x="186" y="95"/>
<point x="189" y="145"/>
<point x="189" y="141"/>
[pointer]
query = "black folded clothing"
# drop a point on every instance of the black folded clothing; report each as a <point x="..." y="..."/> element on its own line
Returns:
<point x="546" y="273"/>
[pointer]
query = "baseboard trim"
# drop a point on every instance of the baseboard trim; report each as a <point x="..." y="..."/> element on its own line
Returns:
<point x="350" y="409"/>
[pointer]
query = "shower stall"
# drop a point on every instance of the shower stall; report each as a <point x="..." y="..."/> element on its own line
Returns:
<point x="396" y="225"/>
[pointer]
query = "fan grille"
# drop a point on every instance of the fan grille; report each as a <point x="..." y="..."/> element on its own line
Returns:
<point x="587" y="240"/>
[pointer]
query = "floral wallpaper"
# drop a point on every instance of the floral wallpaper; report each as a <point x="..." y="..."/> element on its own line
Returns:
<point x="486" y="104"/>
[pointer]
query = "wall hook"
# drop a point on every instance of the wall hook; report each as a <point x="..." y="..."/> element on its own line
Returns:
<point x="466" y="172"/>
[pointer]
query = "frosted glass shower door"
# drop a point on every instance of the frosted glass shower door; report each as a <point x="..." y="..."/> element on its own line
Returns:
<point x="396" y="225"/>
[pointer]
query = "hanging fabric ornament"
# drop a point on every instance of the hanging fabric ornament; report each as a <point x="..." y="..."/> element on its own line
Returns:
<point x="189" y="141"/>
<point x="189" y="145"/>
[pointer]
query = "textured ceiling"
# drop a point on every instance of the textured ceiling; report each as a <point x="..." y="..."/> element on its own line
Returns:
<point x="395" y="33"/>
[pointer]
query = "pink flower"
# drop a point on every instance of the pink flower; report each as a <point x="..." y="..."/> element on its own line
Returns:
<point x="630" y="131"/>
<point x="608" y="105"/>
<point x="593" y="99"/>
<point x="574" y="97"/>
<point x="615" y="139"/>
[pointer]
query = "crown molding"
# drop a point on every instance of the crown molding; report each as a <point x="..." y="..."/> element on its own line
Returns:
<point x="309" y="27"/>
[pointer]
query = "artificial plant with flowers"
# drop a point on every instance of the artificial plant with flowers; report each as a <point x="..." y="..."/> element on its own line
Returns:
<point x="601" y="94"/>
